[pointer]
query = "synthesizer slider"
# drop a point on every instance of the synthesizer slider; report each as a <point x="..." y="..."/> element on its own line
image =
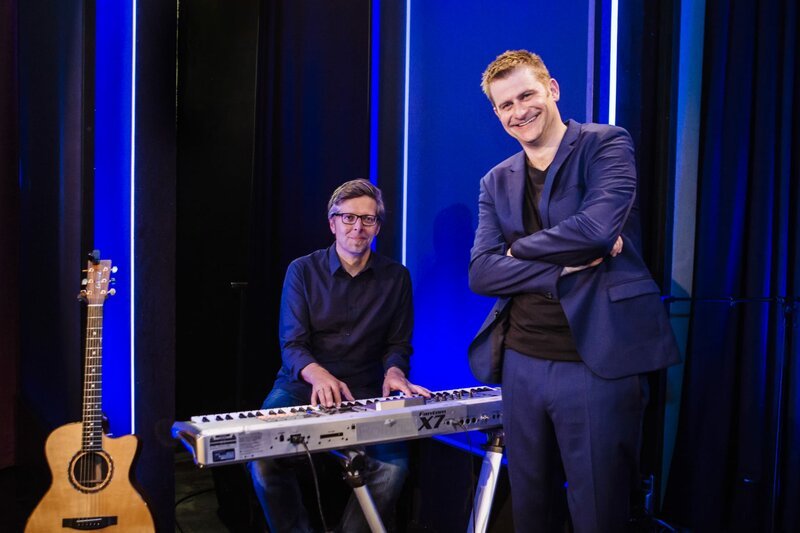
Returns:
<point x="227" y="438"/>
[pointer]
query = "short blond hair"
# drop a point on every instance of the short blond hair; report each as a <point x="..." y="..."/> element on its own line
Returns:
<point x="509" y="60"/>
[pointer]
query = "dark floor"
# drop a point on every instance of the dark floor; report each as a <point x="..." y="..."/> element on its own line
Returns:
<point x="213" y="500"/>
<point x="195" y="498"/>
<point x="221" y="499"/>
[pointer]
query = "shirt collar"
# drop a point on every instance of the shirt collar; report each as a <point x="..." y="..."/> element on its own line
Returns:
<point x="335" y="264"/>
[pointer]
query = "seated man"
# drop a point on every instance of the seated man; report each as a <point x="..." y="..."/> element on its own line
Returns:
<point x="345" y="332"/>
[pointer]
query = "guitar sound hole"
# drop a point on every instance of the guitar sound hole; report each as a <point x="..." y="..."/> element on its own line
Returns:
<point x="90" y="471"/>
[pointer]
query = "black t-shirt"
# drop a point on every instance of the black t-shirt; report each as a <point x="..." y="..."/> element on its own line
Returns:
<point x="537" y="325"/>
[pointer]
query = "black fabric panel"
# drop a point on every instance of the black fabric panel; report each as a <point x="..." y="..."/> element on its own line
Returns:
<point x="736" y="465"/>
<point x="154" y="233"/>
<point x="312" y="134"/>
<point x="49" y="56"/>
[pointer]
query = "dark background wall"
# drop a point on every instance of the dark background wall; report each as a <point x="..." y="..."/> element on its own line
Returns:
<point x="270" y="121"/>
<point x="217" y="66"/>
<point x="49" y="191"/>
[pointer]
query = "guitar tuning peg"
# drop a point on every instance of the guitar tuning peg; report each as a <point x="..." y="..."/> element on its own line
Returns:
<point x="82" y="296"/>
<point x="112" y="280"/>
<point x="114" y="270"/>
<point x="112" y="292"/>
<point x="84" y="281"/>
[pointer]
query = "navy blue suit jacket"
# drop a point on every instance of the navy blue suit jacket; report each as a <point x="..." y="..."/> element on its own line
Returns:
<point x="614" y="310"/>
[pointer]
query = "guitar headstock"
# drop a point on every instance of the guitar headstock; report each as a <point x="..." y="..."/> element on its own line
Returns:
<point x="98" y="280"/>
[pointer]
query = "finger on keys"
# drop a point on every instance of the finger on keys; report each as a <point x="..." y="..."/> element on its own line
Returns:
<point x="346" y="393"/>
<point x="325" y="397"/>
<point x="336" y="397"/>
<point x="421" y="390"/>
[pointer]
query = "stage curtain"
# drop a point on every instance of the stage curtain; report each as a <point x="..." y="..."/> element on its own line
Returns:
<point x="9" y="231"/>
<point x="312" y="134"/>
<point x="737" y="458"/>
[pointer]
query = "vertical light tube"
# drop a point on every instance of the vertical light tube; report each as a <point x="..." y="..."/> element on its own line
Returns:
<point x="612" y="64"/>
<point x="404" y="224"/>
<point x="133" y="218"/>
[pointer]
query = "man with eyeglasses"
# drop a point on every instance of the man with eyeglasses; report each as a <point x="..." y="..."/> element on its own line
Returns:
<point x="345" y="333"/>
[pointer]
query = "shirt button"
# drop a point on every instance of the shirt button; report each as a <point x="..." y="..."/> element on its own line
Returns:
<point x="548" y="295"/>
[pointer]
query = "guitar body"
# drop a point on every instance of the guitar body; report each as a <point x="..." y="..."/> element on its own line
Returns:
<point x="91" y="490"/>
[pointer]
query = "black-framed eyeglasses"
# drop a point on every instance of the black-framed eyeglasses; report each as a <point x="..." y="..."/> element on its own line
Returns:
<point x="350" y="219"/>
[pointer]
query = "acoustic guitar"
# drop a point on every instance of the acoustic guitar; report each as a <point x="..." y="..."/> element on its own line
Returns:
<point x="91" y="487"/>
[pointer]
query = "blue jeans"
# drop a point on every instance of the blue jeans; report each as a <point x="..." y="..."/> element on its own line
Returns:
<point x="277" y="487"/>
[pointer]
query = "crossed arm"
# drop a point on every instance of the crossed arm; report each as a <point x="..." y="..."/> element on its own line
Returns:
<point x="535" y="262"/>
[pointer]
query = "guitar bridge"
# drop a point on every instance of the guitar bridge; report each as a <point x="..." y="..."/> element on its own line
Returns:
<point x="87" y="524"/>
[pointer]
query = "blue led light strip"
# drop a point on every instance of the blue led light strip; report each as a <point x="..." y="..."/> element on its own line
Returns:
<point x="612" y="64"/>
<point x="404" y="224"/>
<point x="133" y="221"/>
<point x="114" y="108"/>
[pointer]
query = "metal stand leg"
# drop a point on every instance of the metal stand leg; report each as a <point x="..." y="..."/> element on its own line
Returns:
<point x="487" y="482"/>
<point x="353" y="462"/>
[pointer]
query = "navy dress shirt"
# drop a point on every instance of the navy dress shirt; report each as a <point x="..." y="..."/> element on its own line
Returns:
<point x="355" y="327"/>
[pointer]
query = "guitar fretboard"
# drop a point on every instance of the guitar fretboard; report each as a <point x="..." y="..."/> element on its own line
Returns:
<point x="93" y="380"/>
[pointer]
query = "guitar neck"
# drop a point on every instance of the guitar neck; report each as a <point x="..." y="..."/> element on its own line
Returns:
<point x="93" y="380"/>
<point x="94" y="294"/>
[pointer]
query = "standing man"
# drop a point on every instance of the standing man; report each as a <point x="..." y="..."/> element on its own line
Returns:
<point x="345" y="333"/>
<point x="578" y="319"/>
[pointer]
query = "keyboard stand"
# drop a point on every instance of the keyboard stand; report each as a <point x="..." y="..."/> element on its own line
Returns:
<point x="487" y="482"/>
<point x="353" y="462"/>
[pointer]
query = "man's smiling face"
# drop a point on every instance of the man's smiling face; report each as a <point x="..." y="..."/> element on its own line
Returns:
<point x="525" y="106"/>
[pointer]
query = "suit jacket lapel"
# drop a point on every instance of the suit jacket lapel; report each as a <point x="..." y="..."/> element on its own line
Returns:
<point x="564" y="149"/>
<point x="515" y="192"/>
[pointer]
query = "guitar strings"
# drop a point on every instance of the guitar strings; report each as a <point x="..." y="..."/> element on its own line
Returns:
<point x="91" y="468"/>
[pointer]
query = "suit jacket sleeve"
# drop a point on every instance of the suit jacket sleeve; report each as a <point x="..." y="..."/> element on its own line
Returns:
<point x="610" y="191"/>
<point x="491" y="271"/>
